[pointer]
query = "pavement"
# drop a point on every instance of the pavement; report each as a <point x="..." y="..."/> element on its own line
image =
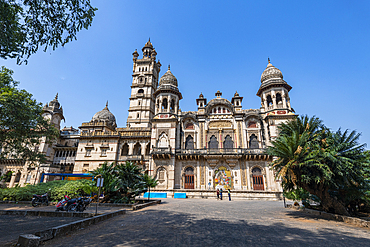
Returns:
<point x="11" y="226"/>
<point x="208" y="222"/>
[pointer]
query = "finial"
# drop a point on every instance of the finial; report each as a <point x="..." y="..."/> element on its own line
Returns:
<point x="268" y="59"/>
<point x="149" y="39"/>
<point x="168" y="67"/>
<point x="106" y="105"/>
<point x="56" y="96"/>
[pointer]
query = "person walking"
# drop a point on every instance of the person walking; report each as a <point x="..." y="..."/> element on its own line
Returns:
<point x="218" y="194"/>
<point x="229" y="194"/>
<point x="221" y="194"/>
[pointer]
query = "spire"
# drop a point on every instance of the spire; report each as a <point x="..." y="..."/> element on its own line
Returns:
<point x="218" y="94"/>
<point x="106" y="106"/>
<point x="56" y="97"/>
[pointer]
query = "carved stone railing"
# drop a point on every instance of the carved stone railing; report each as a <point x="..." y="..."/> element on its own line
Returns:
<point x="161" y="150"/>
<point x="220" y="151"/>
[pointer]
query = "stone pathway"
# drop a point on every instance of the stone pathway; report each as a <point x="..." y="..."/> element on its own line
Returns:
<point x="205" y="222"/>
<point x="11" y="226"/>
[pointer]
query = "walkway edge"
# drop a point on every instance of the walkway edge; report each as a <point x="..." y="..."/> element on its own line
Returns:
<point x="337" y="217"/>
<point x="67" y="228"/>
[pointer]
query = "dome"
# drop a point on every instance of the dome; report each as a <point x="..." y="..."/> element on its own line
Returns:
<point x="55" y="102"/>
<point x="105" y="116"/>
<point x="148" y="44"/>
<point x="271" y="72"/>
<point x="168" y="79"/>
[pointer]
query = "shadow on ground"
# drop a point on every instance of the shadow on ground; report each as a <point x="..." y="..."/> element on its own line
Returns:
<point x="164" y="228"/>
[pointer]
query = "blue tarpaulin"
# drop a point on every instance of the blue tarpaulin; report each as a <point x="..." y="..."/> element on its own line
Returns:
<point x="179" y="195"/>
<point x="155" y="195"/>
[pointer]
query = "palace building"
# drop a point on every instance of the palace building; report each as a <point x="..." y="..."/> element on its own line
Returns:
<point x="219" y="145"/>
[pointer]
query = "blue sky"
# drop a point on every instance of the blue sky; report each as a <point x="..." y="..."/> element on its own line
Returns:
<point x="321" y="47"/>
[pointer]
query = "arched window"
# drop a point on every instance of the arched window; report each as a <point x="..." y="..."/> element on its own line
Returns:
<point x="141" y="79"/>
<point x="139" y="69"/>
<point x="189" y="143"/>
<point x="223" y="110"/>
<point x="252" y="124"/>
<point x="137" y="149"/>
<point x="189" y="178"/>
<point x="163" y="141"/>
<point x="279" y="100"/>
<point x="138" y="115"/>
<point x="269" y="100"/>
<point x="219" y="110"/>
<point x="140" y="91"/>
<point x="256" y="171"/>
<point x="189" y="126"/>
<point x="124" y="149"/>
<point x="201" y="104"/>
<point x="213" y="143"/>
<point x="164" y="104"/>
<point x="146" y="68"/>
<point x="253" y="141"/>
<point x="214" y="110"/>
<point x="228" y="143"/>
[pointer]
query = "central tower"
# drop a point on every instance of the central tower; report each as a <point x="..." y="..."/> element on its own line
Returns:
<point x="144" y="83"/>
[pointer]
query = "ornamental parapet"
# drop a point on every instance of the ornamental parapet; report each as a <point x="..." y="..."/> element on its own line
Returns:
<point x="228" y="153"/>
<point x="100" y="134"/>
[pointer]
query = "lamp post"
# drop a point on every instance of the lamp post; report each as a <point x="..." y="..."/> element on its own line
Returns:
<point x="99" y="184"/>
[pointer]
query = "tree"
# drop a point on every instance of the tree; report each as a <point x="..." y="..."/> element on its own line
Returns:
<point x="149" y="183"/>
<point x="122" y="182"/>
<point x="21" y="122"/>
<point x="131" y="182"/>
<point x="330" y="165"/>
<point x="27" y="25"/>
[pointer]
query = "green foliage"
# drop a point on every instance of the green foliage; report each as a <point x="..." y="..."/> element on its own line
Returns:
<point x="123" y="182"/>
<point x="56" y="190"/>
<point x="297" y="194"/>
<point x="21" y="122"/>
<point x="27" y="25"/>
<point x="331" y="165"/>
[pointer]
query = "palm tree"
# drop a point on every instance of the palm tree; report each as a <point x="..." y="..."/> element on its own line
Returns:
<point x="149" y="183"/>
<point x="130" y="182"/>
<point x="311" y="157"/>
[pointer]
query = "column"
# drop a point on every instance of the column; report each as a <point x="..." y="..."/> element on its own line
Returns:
<point x="248" y="176"/>
<point x="11" y="184"/>
<point x="169" y="104"/>
<point x="273" y="96"/>
<point x="268" y="182"/>
<point x="130" y="148"/>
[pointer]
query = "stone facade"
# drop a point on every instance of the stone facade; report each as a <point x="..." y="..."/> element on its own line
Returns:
<point x="220" y="145"/>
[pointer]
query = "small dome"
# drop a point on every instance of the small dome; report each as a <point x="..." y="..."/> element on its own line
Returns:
<point x="55" y="102"/>
<point x="271" y="72"/>
<point x="168" y="79"/>
<point x="148" y="44"/>
<point x="105" y="116"/>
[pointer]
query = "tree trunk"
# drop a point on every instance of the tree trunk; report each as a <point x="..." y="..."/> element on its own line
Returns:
<point x="149" y="194"/>
<point x="328" y="203"/>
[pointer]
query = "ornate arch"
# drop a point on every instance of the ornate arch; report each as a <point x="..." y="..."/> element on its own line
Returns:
<point x="263" y="172"/>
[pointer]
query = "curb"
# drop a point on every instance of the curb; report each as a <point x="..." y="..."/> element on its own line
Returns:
<point x="26" y="240"/>
<point x="346" y="219"/>
<point x="46" y="213"/>
<point x="140" y="206"/>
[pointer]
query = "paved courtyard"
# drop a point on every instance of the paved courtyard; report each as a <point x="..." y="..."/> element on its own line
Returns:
<point x="205" y="222"/>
